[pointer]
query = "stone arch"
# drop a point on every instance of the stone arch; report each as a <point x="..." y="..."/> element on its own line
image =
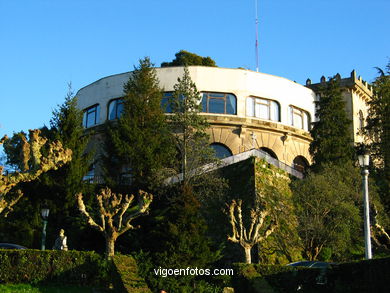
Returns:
<point x="300" y="163"/>
<point x="269" y="152"/>
<point x="221" y="150"/>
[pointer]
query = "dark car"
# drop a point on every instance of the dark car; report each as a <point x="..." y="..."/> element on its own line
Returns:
<point x="11" y="246"/>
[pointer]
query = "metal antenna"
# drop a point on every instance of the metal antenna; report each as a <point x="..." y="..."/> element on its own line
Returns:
<point x="257" y="39"/>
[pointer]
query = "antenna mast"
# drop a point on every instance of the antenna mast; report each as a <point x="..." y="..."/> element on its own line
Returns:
<point x="257" y="39"/>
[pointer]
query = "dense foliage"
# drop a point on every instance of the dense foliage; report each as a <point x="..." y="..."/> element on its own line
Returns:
<point x="378" y="131"/>
<point x="69" y="267"/>
<point x="139" y="142"/>
<point x="327" y="206"/>
<point x="184" y="58"/>
<point x="332" y="139"/>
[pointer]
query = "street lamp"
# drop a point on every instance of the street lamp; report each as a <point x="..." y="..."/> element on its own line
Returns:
<point x="45" y="216"/>
<point x="364" y="161"/>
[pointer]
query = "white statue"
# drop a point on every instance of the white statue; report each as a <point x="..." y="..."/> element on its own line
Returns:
<point x="60" y="243"/>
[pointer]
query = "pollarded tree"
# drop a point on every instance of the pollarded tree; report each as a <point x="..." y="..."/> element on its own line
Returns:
<point x="115" y="214"/>
<point x="332" y="141"/>
<point x="185" y="58"/>
<point x="140" y="139"/>
<point x="259" y="228"/>
<point x="36" y="158"/>
<point x="254" y="220"/>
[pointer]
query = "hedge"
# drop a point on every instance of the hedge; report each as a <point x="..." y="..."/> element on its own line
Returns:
<point x="357" y="277"/>
<point x="126" y="277"/>
<point x="254" y="278"/>
<point x="52" y="266"/>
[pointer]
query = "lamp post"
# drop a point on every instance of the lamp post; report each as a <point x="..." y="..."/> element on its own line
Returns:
<point x="364" y="161"/>
<point x="45" y="216"/>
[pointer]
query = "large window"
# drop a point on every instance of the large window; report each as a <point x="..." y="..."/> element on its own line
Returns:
<point x="262" y="108"/>
<point x="91" y="116"/>
<point x="219" y="103"/>
<point x="115" y="109"/>
<point x="221" y="151"/>
<point x="299" y="118"/>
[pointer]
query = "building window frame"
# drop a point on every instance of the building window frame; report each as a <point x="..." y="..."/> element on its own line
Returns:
<point x="299" y="118"/>
<point x="115" y="109"/>
<point x="91" y="116"/>
<point x="229" y="103"/>
<point x="254" y="105"/>
<point x="166" y="102"/>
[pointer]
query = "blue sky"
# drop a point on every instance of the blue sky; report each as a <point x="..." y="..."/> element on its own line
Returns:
<point x="44" y="44"/>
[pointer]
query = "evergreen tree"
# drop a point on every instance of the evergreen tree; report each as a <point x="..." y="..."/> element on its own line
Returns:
<point x="332" y="142"/>
<point x="378" y="131"/>
<point x="180" y="228"/>
<point x="66" y="126"/>
<point x="140" y="140"/>
<point x="192" y="141"/>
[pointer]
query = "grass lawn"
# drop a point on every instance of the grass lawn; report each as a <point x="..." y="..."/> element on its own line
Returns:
<point x="25" y="288"/>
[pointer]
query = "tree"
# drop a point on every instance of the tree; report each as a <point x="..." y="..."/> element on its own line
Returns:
<point x="269" y="213"/>
<point x="378" y="131"/>
<point x="191" y="139"/>
<point x="114" y="214"/>
<point x="258" y="230"/>
<point x="140" y="140"/>
<point x="180" y="228"/>
<point x="36" y="158"/>
<point x="332" y="142"/>
<point x="66" y="126"/>
<point x="184" y="58"/>
<point x="327" y="206"/>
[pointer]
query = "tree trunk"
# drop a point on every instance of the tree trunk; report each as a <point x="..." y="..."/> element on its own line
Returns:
<point x="110" y="246"/>
<point x="248" y="258"/>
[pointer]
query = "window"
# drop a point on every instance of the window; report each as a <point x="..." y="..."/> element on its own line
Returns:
<point x="262" y="108"/>
<point x="219" y="103"/>
<point x="221" y="151"/>
<point x="90" y="176"/>
<point x="165" y="103"/>
<point x="361" y="120"/>
<point x="91" y="116"/>
<point x="299" y="118"/>
<point x="115" y="109"/>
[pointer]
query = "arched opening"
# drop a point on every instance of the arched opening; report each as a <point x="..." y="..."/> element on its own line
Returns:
<point x="269" y="152"/>
<point x="221" y="151"/>
<point x="300" y="164"/>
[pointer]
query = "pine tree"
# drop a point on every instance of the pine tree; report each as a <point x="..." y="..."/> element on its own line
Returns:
<point x="66" y="126"/>
<point x="332" y="142"/>
<point x="189" y="128"/>
<point x="140" y="139"/>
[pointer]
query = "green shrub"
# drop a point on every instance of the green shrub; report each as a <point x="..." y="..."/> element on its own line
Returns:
<point x="363" y="276"/>
<point x="68" y="267"/>
<point x="126" y="277"/>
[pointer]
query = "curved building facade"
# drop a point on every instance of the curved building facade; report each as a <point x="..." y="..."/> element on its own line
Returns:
<point x="246" y="109"/>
